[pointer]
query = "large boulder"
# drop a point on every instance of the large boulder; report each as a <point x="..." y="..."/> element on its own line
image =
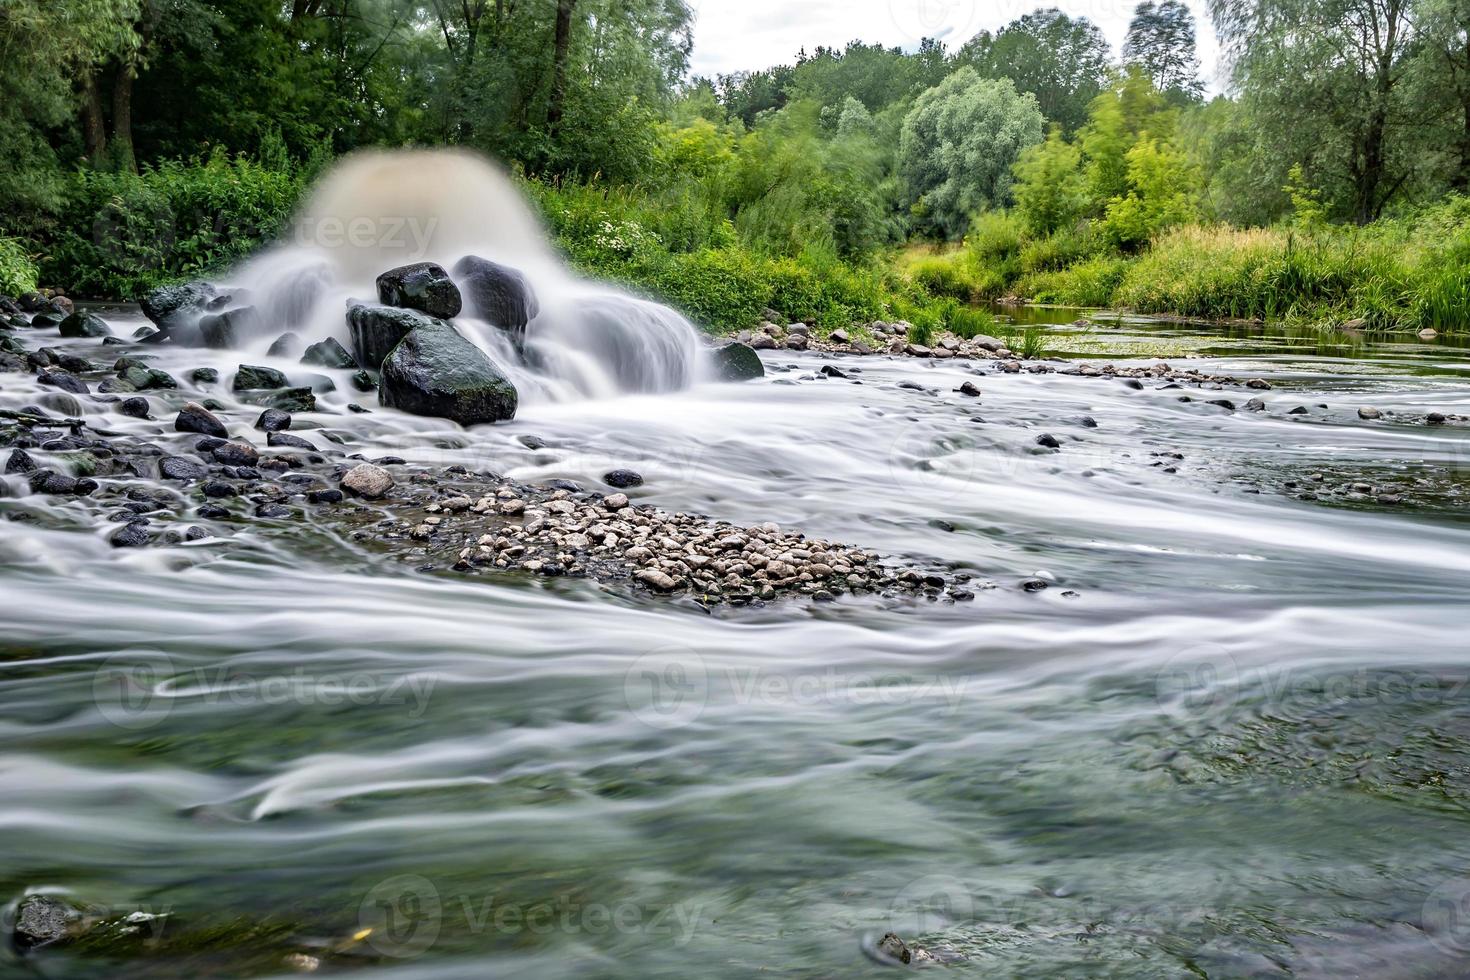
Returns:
<point x="178" y="307"/>
<point x="376" y="330"/>
<point x="735" y="361"/>
<point x="496" y="293"/>
<point x="423" y="286"/>
<point x="84" y="325"/>
<point x="434" y="371"/>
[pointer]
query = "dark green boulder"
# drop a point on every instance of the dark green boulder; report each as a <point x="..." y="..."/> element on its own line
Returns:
<point x="328" y="354"/>
<point x="434" y="371"/>
<point x="735" y="361"/>
<point x="84" y="325"/>
<point x="376" y="330"/>
<point x="423" y="286"/>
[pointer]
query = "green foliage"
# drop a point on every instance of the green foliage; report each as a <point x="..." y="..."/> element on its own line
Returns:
<point x="1060" y="60"/>
<point x="1161" y="42"/>
<point x="125" y="233"/>
<point x="1161" y="192"/>
<point x="1050" y="191"/>
<point x="17" y="268"/>
<point x="1093" y="282"/>
<point x="959" y="144"/>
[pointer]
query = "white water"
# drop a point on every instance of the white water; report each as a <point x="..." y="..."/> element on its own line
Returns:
<point x="376" y="211"/>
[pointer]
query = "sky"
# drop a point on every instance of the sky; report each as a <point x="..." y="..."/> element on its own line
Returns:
<point x="741" y="35"/>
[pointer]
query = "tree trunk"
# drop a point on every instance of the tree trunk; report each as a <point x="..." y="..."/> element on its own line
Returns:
<point x="562" y="45"/>
<point x="122" y="117"/>
<point x="94" y="127"/>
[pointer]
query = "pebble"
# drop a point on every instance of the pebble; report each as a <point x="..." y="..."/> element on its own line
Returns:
<point x="1369" y="414"/>
<point x="196" y="418"/>
<point x="133" y="408"/>
<point x="622" y="479"/>
<point x="133" y="535"/>
<point x="368" y="481"/>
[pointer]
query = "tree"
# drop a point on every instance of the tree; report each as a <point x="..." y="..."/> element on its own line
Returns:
<point x="1325" y="77"/>
<point x="1161" y="193"/>
<point x="1062" y="61"/>
<point x="1161" y="41"/>
<point x="1050" y="190"/>
<point x="959" y="144"/>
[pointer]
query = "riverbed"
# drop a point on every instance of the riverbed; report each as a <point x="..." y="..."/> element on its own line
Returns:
<point x="1231" y="738"/>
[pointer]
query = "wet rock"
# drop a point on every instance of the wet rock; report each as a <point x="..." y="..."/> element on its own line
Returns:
<point x="1035" y="585"/>
<point x="1258" y="384"/>
<point x="177" y="307"/>
<point x="1369" y="414"/>
<point x="219" y="490"/>
<point x="44" y="920"/>
<point x="367" y="481"/>
<point x="61" y="403"/>
<point x="237" y="454"/>
<point x="376" y="330"/>
<point x="273" y="420"/>
<point x="328" y="354"/>
<point x="655" y="579"/>
<point x="735" y="361"/>
<point x="622" y="479"/>
<point x="132" y="535"/>
<point x="892" y="948"/>
<point x="20" y="461"/>
<point x="496" y="293"/>
<point x="1224" y="403"/>
<point x="970" y="389"/>
<point x="64" y="380"/>
<point x="133" y="407"/>
<point x="614" y="502"/>
<point x="1299" y="410"/>
<point x="423" y="286"/>
<point x="196" y="418"/>
<point x="1435" y="418"/>
<point x="292" y="400"/>
<point x="762" y="342"/>
<point x="45" y="321"/>
<point x="1048" y="441"/>
<point x="181" y="468"/>
<point x="59" y="484"/>
<point x="253" y="377"/>
<point x="279" y="440"/>
<point x="364" y="381"/>
<point x="286" y="345"/>
<point x="436" y="372"/>
<point x="227" y="330"/>
<point x="204" y="376"/>
<point x="84" y="325"/>
<point x="1255" y="405"/>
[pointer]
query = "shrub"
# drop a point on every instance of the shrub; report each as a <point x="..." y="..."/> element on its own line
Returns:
<point x="17" y="268"/>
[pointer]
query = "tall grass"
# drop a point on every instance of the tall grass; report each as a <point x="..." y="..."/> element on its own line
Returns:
<point x="17" y="268"/>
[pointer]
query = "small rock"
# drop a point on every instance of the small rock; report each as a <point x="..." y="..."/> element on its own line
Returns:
<point x="136" y="408"/>
<point x="969" y="388"/>
<point x="367" y="481"/>
<point x="1369" y="414"/>
<point x="1435" y="418"/>
<point x="197" y="418"/>
<point x="1035" y="585"/>
<point x="237" y="454"/>
<point x="181" y="468"/>
<point x="279" y="439"/>
<point x="613" y="501"/>
<point x="253" y="377"/>
<point x="273" y="420"/>
<point x="134" y="535"/>
<point x="655" y="579"/>
<point x="1048" y="440"/>
<point x="622" y="479"/>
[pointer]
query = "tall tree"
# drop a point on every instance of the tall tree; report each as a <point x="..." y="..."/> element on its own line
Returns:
<point x="1161" y="41"/>
<point x="1061" y="60"/>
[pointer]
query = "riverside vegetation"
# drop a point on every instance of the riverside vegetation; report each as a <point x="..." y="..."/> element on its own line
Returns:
<point x="854" y="185"/>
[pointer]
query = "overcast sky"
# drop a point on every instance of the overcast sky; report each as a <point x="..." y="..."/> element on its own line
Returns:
<point x="736" y="35"/>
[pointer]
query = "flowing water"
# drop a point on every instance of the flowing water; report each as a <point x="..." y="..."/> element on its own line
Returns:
<point x="1241" y="747"/>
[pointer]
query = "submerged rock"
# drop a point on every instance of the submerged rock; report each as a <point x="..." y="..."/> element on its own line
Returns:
<point x="622" y="479"/>
<point x="41" y="920"/>
<point x="735" y="361"/>
<point x="423" y="286"/>
<point x="376" y="330"/>
<point x="84" y="325"/>
<point x="292" y="400"/>
<point x="434" y="371"/>
<point x="225" y="331"/>
<point x="286" y="345"/>
<point x="496" y="293"/>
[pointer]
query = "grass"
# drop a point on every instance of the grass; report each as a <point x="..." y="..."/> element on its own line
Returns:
<point x="17" y="268"/>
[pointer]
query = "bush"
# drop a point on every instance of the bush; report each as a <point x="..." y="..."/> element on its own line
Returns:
<point x="1090" y="283"/>
<point x="17" y="268"/>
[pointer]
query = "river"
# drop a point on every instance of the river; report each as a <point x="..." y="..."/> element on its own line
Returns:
<point x="1231" y="739"/>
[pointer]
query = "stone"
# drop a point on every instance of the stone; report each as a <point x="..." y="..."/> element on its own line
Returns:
<point x="64" y="380"/>
<point x="1048" y="441"/>
<point x="273" y="420"/>
<point x="735" y="361"/>
<point x="204" y="376"/>
<point x="286" y="345"/>
<point x="20" y="461"/>
<point x="84" y="325"/>
<point x="328" y="354"/>
<point x="228" y="330"/>
<point x="44" y="920"/>
<point x="181" y="468"/>
<point x="196" y="418"/>
<point x="237" y="454"/>
<point x="1369" y="414"/>
<point x="367" y="481"/>
<point x="292" y="400"/>
<point x="1435" y="418"/>
<point x="422" y="286"/>
<point x="286" y="440"/>
<point x="376" y="330"/>
<point x="436" y="372"/>
<point x="655" y="579"/>
<point x="622" y="479"/>
<point x="133" y="407"/>
<point x="177" y="307"/>
<point x="969" y="388"/>
<point x="497" y="294"/>
<point x="131" y="535"/>
<point x="612" y="502"/>
<point x="253" y="377"/>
